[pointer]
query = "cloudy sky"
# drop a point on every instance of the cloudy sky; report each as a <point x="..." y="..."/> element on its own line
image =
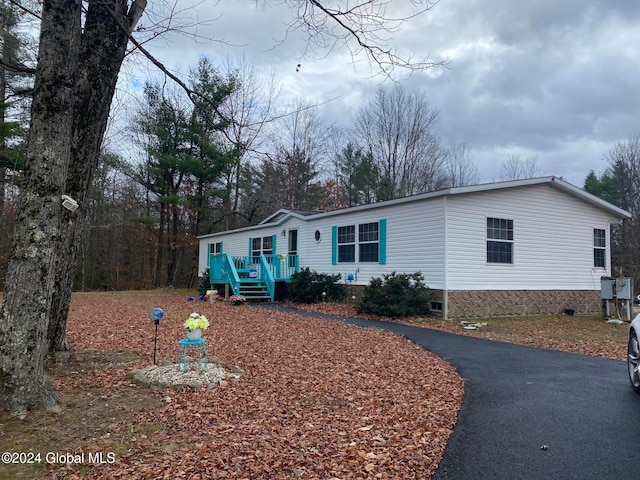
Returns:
<point x="553" y="80"/>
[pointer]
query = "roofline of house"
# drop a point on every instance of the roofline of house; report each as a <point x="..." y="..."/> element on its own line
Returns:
<point x="485" y="187"/>
<point x="589" y="198"/>
<point x="288" y="213"/>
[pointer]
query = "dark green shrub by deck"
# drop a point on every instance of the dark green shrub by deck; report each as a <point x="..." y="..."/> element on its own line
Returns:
<point x="307" y="286"/>
<point x="395" y="295"/>
<point x="205" y="283"/>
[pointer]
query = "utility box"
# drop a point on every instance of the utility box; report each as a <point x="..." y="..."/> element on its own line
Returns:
<point x="616" y="287"/>
<point x="607" y="288"/>
<point x="624" y="290"/>
<point x="616" y="294"/>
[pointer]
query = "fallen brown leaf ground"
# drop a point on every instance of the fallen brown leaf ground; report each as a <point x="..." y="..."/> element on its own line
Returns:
<point x="586" y="335"/>
<point x="317" y="400"/>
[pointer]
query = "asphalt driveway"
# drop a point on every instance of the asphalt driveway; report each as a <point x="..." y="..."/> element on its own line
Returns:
<point x="530" y="413"/>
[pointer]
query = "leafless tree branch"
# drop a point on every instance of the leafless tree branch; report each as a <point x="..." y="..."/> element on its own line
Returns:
<point x="359" y="28"/>
<point x="26" y="10"/>
<point x="17" y="67"/>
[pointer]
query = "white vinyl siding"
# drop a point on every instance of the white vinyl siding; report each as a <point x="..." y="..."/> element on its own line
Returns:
<point x="553" y="240"/>
<point x="445" y="238"/>
<point x="414" y="242"/>
<point x="236" y="243"/>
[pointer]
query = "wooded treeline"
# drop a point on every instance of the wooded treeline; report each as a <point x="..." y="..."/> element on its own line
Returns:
<point x="230" y="159"/>
<point x="143" y="220"/>
<point x="201" y="170"/>
<point x="619" y="184"/>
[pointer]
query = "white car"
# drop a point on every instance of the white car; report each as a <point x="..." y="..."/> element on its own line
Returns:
<point x="633" y="354"/>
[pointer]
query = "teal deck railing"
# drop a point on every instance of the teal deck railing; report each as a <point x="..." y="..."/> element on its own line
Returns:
<point x="227" y="269"/>
<point x="266" y="275"/>
<point x="281" y="267"/>
<point x="222" y="270"/>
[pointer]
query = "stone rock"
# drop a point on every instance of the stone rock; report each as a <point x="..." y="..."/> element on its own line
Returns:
<point x="169" y="375"/>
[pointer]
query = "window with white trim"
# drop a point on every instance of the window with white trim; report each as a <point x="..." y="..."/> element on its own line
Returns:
<point x="215" y="248"/>
<point x="267" y="246"/>
<point x="365" y="247"/>
<point x="368" y="238"/>
<point x="347" y="244"/>
<point x="499" y="240"/>
<point x="599" y="248"/>
<point x="262" y="245"/>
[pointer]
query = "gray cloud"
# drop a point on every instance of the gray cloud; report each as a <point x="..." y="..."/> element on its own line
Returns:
<point x="552" y="80"/>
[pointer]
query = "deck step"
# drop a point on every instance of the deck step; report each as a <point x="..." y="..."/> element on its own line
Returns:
<point x="254" y="289"/>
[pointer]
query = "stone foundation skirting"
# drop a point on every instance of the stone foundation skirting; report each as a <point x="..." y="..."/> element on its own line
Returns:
<point x="500" y="303"/>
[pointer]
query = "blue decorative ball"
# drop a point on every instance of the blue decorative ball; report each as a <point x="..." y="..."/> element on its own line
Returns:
<point x="157" y="314"/>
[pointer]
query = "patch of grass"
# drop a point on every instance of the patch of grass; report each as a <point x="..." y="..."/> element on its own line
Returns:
<point x="30" y="470"/>
<point x="560" y="327"/>
<point x="92" y="418"/>
<point x="119" y="448"/>
<point x="148" y="428"/>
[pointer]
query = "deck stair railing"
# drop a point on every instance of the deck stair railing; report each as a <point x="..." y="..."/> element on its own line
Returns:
<point x="252" y="276"/>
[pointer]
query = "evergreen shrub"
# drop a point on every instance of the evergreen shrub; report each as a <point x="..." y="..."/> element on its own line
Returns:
<point x="307" y="286"/>
<point x="204" y="283"/>
<point x="394" y="295"/>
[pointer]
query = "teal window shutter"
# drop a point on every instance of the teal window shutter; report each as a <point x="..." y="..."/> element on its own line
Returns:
<point x="250" y="246"/>
<point x="273" y="243"/>
<point x="382" y="245"/>
<point x="221" y="247"/>
<point x="334" y="245"/>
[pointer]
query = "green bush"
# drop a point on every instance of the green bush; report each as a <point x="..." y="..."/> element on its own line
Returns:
<point x="204" y="283"/>
<point x="395" y="295"/>
<point x="307" y="287"/>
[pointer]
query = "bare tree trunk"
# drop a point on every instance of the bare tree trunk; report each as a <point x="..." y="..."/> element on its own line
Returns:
<point x="172" y="246"/>
<point x="103" y="48"/>
<point x="26" y="312"/>
<point x="3" y="145"/>
<point x="3" y="176"/>
<point x="3" y="170"/>
<point x="69" y="114"/>
<point x="161" y="247"/>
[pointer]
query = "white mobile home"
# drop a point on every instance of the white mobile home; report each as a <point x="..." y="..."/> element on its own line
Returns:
<point x="522" y="247"/>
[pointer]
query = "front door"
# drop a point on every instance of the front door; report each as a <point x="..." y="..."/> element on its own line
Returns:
<point x="293" y="248"/>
